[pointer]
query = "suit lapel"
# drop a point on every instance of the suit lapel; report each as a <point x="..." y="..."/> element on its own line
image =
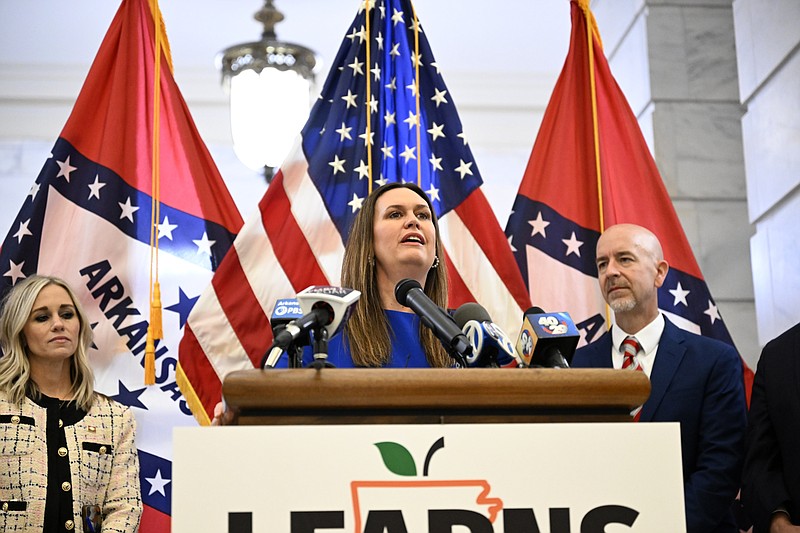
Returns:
<point x="669" y="356"/>
<point x="601" y="352"/>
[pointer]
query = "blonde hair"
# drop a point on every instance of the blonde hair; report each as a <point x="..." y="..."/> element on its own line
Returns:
<point x="367" y="331"/>
<point x="15" y="367"/>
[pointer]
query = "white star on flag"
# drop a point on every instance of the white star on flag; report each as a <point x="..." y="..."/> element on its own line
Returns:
<point x="165" y="228"/>
<point x="23" y="231"/>
<point x="337" y="164"/>
<point x="355" y="203"/>
<point x="712" y="312"/>
<point x="94" y="188"/>
<point x="438" y="97"/>
<point x="363" y="137"/>
<point x="389" y="118"/>
<point x="158" y="483"/>
<point x="436" y="131"/>
<point x="204" y="245"/>
<point x="127" y="209"/>
<point x="356" y="66"/>
<point x="373" y="104"/>
<point x="397" y="17"/>
<point x="433" y="193"/>
<point x="15" y="272"/>
<point x="408" y="153"/>
<point x="680" y="295"/>
<point x="344" y="132"/>
<point x="573" y="245"/>
<point x="350" y="98"/>
<point x="539" y="225"/>
<point x="34" y="191"/>
<point x="463" y="168"/>
<point x="362" y="169"/>
<point x="510" y="244"/>
<point x="436" y="162"/>
<point x="387" y="150"/>
<point x="411" y="120"/>
<point x="65" y="169"/>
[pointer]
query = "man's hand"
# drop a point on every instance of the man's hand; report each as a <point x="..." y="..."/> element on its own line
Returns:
<point x="780" y="524"/>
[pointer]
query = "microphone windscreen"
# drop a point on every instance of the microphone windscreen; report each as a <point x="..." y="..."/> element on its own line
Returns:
<point x="402" y="289"/>
<point x="470" y="311"/>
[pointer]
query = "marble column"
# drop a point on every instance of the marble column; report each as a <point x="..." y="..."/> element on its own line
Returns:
<point x="768" y="45"/>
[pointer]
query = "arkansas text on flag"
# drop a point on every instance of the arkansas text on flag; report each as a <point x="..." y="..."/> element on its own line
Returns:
<point x="87" y="220"/>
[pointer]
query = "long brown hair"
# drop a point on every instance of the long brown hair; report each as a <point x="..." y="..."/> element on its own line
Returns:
<point x="367" y="331"/>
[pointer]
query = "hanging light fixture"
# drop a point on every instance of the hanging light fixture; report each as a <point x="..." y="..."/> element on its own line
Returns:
<point x="269" y="83"/>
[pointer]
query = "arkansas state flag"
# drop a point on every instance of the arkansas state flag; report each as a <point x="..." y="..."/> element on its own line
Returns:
<point x="87" y="219"/>
<point x="384" y="115"/>
<point x="590" y="168"/>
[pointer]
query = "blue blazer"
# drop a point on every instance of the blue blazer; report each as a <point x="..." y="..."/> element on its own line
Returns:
<point x="698" y="382"/>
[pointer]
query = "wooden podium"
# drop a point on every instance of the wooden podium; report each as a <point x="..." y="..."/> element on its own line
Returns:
<point x="432" y="396"/>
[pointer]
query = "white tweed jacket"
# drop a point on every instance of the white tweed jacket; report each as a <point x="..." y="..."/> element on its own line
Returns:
<point x="103" y="462"/>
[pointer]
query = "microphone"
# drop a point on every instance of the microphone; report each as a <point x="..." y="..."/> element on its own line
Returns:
<point x="326" y="311"/>
<point x="491" y="347"/>
<point x="287" y="310"/>
<point x="547" y="339"/>
<point x="409" y="293"/>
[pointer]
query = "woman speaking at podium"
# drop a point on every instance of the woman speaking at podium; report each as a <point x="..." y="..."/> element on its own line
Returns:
<point x="394" y="236"/>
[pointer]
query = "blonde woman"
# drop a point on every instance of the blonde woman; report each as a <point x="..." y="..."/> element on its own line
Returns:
<point x="68" y="462"/>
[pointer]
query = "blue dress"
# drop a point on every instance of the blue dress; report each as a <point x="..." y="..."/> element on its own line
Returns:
<point x="407" y="350"/>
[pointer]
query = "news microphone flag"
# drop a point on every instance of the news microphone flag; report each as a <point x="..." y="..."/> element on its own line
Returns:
<point x="365" y="125"/>
<point x="560" y="211"/>
<point x="87" y="220"/>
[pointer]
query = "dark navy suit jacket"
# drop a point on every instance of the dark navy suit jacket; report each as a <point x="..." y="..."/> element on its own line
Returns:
<point x="772" y="465"/>
<point x="698" y="382"/>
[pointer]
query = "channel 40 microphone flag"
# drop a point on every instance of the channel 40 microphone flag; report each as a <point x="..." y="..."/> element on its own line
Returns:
<point x="375" y="121"/>
<point x="87" y="219"/>
<point x="560" y="209"/>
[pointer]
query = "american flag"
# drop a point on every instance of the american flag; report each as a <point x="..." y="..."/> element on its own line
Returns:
<point x="557" y="216"/>
<point x="87" y="220"/>
<point x="405" y="128"/>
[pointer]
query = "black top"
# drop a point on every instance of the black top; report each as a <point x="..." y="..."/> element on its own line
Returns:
<point x="58" y="506"/>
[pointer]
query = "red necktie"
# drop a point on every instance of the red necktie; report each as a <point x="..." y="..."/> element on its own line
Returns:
<point x="630" y="347"/>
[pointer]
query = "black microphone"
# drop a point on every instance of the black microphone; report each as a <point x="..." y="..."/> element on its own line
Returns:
<point x="547" y="339"/>
<point x="409" y="293"/>
<point x="285" y="312"/>
<point x="326" y="310"/>
<point x="491" y="347"/>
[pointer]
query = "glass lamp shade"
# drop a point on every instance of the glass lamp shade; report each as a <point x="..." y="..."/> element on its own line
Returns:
<point x="268" y="109"/>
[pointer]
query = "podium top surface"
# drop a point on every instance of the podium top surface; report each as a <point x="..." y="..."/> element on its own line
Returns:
<point x="332" y="391"/>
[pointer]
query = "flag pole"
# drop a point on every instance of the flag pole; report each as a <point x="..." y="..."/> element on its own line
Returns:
<point x="591" y="32"/>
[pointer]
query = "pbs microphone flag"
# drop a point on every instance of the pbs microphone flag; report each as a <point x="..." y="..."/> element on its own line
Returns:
<point x="590" y="168"/>
<point x="384" y="114"/>
<point x="87" y="219"/>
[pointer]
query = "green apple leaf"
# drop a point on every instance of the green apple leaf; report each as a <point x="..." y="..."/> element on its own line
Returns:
<point x="397" y="459"/>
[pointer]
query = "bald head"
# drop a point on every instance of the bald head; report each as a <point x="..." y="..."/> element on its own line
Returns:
<point x="639" y="237"/>
<point x="630" y="269"/>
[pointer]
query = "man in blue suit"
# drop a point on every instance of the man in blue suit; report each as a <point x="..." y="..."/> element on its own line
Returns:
<point x="695" y="381"/>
